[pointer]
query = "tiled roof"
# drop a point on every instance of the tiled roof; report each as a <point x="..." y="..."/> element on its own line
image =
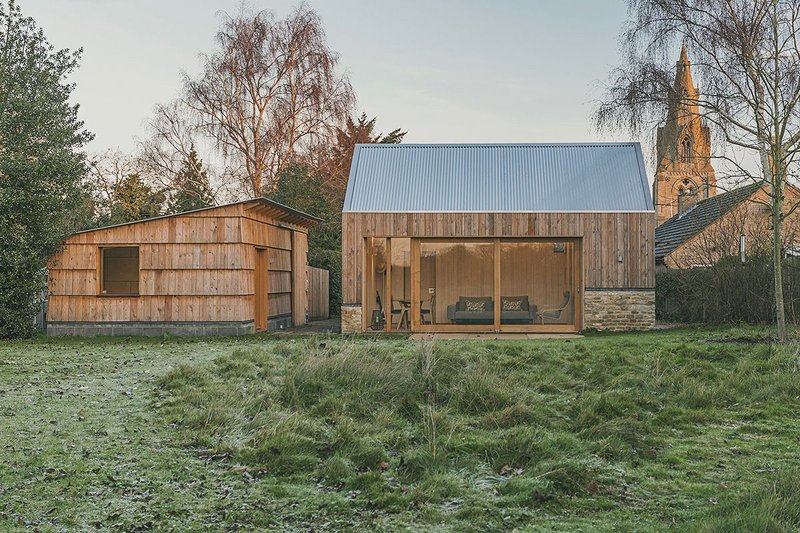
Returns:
<point x="680" y="228"/>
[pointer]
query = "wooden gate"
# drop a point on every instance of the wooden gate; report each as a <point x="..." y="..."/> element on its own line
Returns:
<point x="318" y="293"/>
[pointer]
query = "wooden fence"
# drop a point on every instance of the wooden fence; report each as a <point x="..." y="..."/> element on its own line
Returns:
<point x="318" y="293"/>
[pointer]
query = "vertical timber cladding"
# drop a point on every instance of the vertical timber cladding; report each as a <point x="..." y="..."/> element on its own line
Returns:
<point x="618" y="248"/>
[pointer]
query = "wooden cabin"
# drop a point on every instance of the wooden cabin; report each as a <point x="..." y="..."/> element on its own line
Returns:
<point x="498" y="238"/>
<point x="226" y="270"/>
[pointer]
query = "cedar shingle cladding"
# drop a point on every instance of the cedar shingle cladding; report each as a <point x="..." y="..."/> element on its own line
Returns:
<point x="194" y="267"/>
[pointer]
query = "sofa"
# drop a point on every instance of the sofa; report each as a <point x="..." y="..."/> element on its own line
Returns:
<point x="480" y="310"/>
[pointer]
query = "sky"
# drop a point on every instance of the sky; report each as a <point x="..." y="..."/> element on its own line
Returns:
<point x="444" y="70"/>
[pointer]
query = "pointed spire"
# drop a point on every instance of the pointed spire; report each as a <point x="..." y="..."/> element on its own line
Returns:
<point x="683" y="74"/>
<point x="684" y="56"/>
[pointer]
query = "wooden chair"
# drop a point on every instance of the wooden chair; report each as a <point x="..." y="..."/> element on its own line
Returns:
<point x="402" y="314"/>
<point x="430" y="311"/>
<point x="555" y="314"/>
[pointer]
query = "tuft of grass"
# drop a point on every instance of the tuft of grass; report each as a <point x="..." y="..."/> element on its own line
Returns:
<point x="505" y="425"/>
<point x="771" y="507"/>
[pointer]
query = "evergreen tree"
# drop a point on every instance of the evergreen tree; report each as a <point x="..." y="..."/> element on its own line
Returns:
<point x="321" y="192"/>
<point x="41" y="163"/>
<point x="304" y="189"/>
<point x="360" y="131"/>
<point x="132" y="199"/>
<point x="191" y="188"/>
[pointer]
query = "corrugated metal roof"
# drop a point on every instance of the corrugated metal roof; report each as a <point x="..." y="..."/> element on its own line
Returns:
<point x="498" y="178"/>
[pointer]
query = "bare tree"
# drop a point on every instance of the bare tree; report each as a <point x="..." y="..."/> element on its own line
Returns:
<point x="746" y="53"/>
<point x="171" y="142"/>
<point x="269" y="92"/>
<point x="105" y="172"/>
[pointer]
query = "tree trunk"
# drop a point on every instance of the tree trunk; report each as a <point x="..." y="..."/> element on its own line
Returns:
<point x="777" y="263"/>
<point x="774" y="171"/>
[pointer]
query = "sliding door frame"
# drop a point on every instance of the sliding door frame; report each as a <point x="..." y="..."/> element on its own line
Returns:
<point x="576" y="286"/>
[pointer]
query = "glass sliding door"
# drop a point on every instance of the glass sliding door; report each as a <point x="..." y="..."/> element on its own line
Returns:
<point x="400" y="284"/>
<point x="537" y="283"/>
<point x="456" y="284"/>
<point x="499" y="284"/>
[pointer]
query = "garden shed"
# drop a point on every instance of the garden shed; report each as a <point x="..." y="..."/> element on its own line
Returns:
<point x="227" y="270"/>
<point x="498" y="238"/>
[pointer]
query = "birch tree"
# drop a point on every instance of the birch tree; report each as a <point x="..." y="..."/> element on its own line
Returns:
<point x="269" y="93"/>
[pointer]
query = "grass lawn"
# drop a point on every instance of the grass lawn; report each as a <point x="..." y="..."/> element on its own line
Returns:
<point x="677" y="430"/>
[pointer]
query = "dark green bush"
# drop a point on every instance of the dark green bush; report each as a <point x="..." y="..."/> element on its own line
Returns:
<point x="727" y="292"/>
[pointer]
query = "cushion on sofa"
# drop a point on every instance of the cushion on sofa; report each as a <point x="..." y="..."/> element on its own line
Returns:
<point x="514" y="303"/>
<point x="474" y="303"/>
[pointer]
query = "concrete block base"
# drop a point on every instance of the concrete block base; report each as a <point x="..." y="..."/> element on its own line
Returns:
<point x="178" y="329"/>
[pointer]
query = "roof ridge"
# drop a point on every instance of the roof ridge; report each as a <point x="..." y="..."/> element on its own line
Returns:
<point x="509" y="144"/>
<point x="261" y="199"/>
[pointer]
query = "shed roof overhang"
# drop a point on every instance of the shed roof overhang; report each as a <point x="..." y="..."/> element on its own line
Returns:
<point x="262" y="205"/>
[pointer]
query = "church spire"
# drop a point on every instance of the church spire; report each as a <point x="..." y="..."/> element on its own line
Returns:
<point x="684" y="56"/>
<point x="685" y="90"/>
<point x="683" y="144"/>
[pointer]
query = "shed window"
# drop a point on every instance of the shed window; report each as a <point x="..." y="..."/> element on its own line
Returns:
<point x="120" y="270"/>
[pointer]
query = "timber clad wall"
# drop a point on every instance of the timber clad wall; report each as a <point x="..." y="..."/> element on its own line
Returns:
<point x="606" y="237"/>
<point x="197" y="267"/>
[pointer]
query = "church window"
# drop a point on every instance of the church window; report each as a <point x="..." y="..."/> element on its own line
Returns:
<point x="686" y="149"/>
<point x="687" y="188"/>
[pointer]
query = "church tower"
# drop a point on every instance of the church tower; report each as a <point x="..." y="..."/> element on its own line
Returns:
<point x="684" y="174"/>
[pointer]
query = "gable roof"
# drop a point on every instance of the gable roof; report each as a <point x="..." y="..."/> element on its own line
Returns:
<point x="581" y="177"/>
<point x="273" y="208"/>
<point x="680" y="228"/>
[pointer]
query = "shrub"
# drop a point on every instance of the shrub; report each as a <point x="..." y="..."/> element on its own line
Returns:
<point x="728" y="292"/>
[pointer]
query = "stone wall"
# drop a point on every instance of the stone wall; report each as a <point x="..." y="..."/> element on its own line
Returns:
<point x="351" y="319"/>
<point x="621" y="310"/>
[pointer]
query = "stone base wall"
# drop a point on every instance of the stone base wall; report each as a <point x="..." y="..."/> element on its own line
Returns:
<point x="621" y="310"/>
<point x="352" y="321"/>
<point x="182" y="329"/>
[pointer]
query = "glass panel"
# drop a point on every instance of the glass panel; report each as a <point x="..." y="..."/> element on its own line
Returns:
<point x="536" y="283"/>
<point x="457" y="280"/>
<point x="120" y="270"/>
<point x="401" y="283"/>
<point x="375" y="282"/>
